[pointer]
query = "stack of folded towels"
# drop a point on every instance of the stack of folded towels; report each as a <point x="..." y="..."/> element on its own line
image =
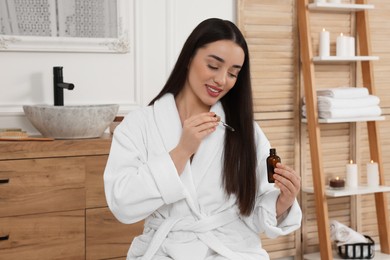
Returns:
<point x="345" y="102"/>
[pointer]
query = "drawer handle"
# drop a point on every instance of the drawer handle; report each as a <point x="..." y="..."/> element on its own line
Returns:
<point x="4" y="237"/>
<point x="4" y="181"/>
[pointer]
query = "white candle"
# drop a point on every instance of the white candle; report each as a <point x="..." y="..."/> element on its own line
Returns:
<point x="351" y="46"/>
<point x="324" y="48"/>
<point x="372" y="174"/>
<point x="342" y="46"/>
<point x="352" y="175"/>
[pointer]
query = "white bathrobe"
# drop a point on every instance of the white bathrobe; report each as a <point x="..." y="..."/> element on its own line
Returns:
<point x="187" y="217"/>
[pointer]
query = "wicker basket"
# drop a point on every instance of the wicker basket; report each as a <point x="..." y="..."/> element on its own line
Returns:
<point x="358" y="250"/>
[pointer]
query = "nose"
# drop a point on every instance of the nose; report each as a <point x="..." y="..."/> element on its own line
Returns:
<point x="220" y="78"/>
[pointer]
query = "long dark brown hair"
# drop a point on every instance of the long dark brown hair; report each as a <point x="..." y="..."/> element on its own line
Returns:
<point x="239" y="168"/>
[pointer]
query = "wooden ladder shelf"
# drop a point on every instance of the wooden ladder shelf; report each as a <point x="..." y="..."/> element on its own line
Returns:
<point x="306" y="52"/>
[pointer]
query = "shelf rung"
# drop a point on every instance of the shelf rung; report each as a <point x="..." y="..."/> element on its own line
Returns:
<point x="347" y="120"/>
<point x="325" y="59"/>
<point x="317" y="256"/>
<point x="339" y="7"/>
<point x="361" y="190"/>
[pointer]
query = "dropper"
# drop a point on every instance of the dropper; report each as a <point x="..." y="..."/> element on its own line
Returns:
<point x="226" y="125"/>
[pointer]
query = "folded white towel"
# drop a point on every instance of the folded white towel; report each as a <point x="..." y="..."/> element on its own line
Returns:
<point x="371" y="111"/>
<point x="343" y="92"/>
<point x="326" y="103"/>
<point x="342" y="234"/>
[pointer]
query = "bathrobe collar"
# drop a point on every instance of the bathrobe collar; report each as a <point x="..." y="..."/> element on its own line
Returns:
<point x="168" y="120"/>
<point x="169" y="125"/>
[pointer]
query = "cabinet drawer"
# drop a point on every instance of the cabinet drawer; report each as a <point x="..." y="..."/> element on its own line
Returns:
<point x="41" y="185"/>
<point x="106" y="236"/>
<point x="58" y="235"/>
<point x="95" y="166"/>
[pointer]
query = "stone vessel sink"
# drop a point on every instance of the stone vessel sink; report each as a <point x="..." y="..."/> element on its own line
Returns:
<point x="71" y="122"/>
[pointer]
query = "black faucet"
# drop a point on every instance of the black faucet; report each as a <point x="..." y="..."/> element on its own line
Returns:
<point x="59" y="85"/>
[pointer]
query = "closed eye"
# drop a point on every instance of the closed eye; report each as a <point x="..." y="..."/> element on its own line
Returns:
<point x="212" y="67"/>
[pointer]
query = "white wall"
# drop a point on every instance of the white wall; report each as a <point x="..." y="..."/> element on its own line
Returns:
<point x="160" y="28"/>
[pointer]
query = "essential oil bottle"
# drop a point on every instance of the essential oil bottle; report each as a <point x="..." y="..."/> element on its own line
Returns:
<point x="272" y="160"/>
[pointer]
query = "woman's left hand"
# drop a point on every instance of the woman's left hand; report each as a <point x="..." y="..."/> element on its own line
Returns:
<point x="289" y="184"/>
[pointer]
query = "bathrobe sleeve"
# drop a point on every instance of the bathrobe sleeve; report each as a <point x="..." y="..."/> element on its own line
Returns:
<point x="264" y="218"/>
<point x="139" y="179"/>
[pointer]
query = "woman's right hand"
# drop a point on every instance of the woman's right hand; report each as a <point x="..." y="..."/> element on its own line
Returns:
<point x="195" y="129"/>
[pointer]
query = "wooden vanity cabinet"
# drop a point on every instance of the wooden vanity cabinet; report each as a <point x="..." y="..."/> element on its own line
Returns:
<point x="52" y="202"/>
<point x="105" y="236"/>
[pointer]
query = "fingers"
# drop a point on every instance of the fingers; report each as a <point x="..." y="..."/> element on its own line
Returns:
<point x="204" y="122"/>
<point x="202" y="118"/>
<point x="289" y="184"/>
<point x="287" y="173"/>
<point x="195" y="129"/>
<point x="287" y="180"/>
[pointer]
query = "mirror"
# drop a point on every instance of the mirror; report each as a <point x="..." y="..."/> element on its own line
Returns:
<point x="65" y="25"/>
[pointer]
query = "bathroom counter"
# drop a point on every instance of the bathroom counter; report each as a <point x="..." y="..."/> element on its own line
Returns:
<point x="53" y="203"/>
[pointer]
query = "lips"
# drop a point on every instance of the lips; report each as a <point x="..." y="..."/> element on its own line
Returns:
<point x="213" y="91"/>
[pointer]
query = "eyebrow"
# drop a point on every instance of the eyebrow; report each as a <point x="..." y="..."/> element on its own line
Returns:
<point x="223" y="61"/>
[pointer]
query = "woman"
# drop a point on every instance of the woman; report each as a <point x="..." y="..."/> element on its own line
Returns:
<point x="201" y="188"/>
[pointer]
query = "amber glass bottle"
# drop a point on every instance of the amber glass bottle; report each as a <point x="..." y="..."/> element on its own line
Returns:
<point x="272" y="160"/>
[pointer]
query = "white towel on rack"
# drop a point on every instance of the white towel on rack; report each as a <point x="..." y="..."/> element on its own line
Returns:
<point x="371" y="111"/>
<point x="326" y="103"/>
<point x="343" y="92"/>
<point x="341" y="234"/>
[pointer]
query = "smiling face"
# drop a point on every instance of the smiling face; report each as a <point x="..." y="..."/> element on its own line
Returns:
<point x="213" y="71"/>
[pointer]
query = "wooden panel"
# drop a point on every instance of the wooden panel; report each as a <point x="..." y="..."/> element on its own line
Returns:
<point x="94" y="181"/>
<point x="380" y="28"/>
<point x="281" y="246"/>
<point x="336" y="141"/>
<point x="379" y="46"/>
<point x="270" y="30"/>
<point x="42" y="185"/>
<point x="107" y="237"/>
<point x="57" y="148"/>
<point x="367" y="222"/>
<point x="282" y="135"/>
<point x="43" y="236"/>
